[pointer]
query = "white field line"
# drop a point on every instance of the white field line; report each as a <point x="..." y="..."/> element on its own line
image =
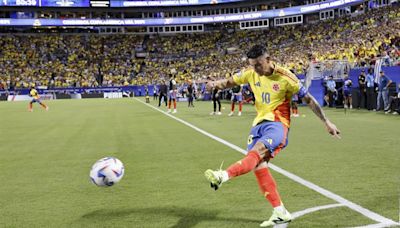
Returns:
<point x="378" y="225"/>
<point x="308" y="211"/>
<point x="367" y="213"/>
<point x="314" y="209"/>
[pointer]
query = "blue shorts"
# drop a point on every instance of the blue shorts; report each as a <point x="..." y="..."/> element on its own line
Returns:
<point x="35" y="100"/>
<point x="172" y="95"/>
<point x="237" y="98"/>
<point x="274" y="135"/>
<point x="347" y="93"/>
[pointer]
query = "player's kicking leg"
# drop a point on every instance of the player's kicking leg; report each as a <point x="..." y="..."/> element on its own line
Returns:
<point x="268" y="187"/>
<point x="247" y="164"/>
<point x="264" y="138"/>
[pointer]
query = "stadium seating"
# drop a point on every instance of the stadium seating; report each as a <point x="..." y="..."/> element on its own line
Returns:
<point x="90" y="60"/>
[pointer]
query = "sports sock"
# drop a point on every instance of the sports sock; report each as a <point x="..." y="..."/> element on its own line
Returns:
<point x="233" y="107"/>
<point x="174" y="104"/>
<point x="240" y="106"/>
<point x="280" y="208"/>
<point x="267" y="186"/>
<point x="245" y="165"/>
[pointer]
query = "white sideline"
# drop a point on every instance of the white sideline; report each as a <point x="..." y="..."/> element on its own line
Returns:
<point x="379" y="225"/>
<point x="367" y="213"/>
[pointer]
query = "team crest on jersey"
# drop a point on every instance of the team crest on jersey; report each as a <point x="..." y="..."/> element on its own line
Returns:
<point x="276" y="87"/>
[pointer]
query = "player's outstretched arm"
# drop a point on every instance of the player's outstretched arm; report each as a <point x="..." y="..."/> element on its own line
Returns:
<point x="220" y="84"/>
<point x="316" y="108"/>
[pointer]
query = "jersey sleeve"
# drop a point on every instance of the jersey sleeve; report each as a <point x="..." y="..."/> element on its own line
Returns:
<point x="242" y="77"/>
<point x="302" y="90"/>
<point x="294" y="84"/>
<point x="298" y="88"/>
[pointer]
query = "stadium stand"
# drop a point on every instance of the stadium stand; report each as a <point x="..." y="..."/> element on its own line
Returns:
<point x="91" y="60"/>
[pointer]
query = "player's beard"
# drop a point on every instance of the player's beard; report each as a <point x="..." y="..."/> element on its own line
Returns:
<point x="267" y="72"/>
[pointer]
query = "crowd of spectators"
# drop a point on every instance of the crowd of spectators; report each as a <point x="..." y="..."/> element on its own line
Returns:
<point x="67" y="60"/>
<point x="110" y="60"/>
<point x="359" y="39"/>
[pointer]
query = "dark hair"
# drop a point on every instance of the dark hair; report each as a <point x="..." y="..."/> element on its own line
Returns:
<point x="256" y="51"/>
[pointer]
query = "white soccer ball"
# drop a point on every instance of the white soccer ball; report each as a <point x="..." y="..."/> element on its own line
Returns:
<point x="107" y="172"/>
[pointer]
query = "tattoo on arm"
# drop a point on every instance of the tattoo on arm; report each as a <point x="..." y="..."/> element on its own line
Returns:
<point x="314" y="106"/>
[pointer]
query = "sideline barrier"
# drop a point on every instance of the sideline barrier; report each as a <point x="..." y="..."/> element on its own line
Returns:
<point x="28" y="98"/>
<point x="317" y="89"/>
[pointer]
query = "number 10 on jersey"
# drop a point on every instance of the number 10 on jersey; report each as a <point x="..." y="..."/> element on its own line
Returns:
<point x="265" y="98"/>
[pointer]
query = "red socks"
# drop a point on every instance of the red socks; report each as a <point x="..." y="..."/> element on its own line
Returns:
<point x="265" y="180"/>
<point x="233" y="106"/>
<point x="267" y="186"/>
<point x="169" y="104"/>
<point x="245" y="165"/>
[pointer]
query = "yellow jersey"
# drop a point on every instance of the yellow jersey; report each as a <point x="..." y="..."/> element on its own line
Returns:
<point x="272" y="93"/>
<point x="34" y="93"/>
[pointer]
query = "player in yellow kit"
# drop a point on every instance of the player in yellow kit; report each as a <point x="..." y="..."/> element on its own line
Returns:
<point x="35" y="99"/>
<point x="273" y="87"/>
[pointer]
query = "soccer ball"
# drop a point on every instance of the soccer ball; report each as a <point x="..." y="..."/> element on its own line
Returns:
<point x="107" y="172"/>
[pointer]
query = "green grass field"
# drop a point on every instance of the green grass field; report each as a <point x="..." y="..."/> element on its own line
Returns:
<point x="45" y="159"/>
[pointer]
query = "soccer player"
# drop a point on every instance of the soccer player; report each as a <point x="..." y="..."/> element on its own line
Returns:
<point x="35" y="99"/>
<point x="273" y="86"/>
<point x="295" y="101"/>
<point x="348" y="100"/>
<point x="237" y="96"/>
<point x="172" y="93"/>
